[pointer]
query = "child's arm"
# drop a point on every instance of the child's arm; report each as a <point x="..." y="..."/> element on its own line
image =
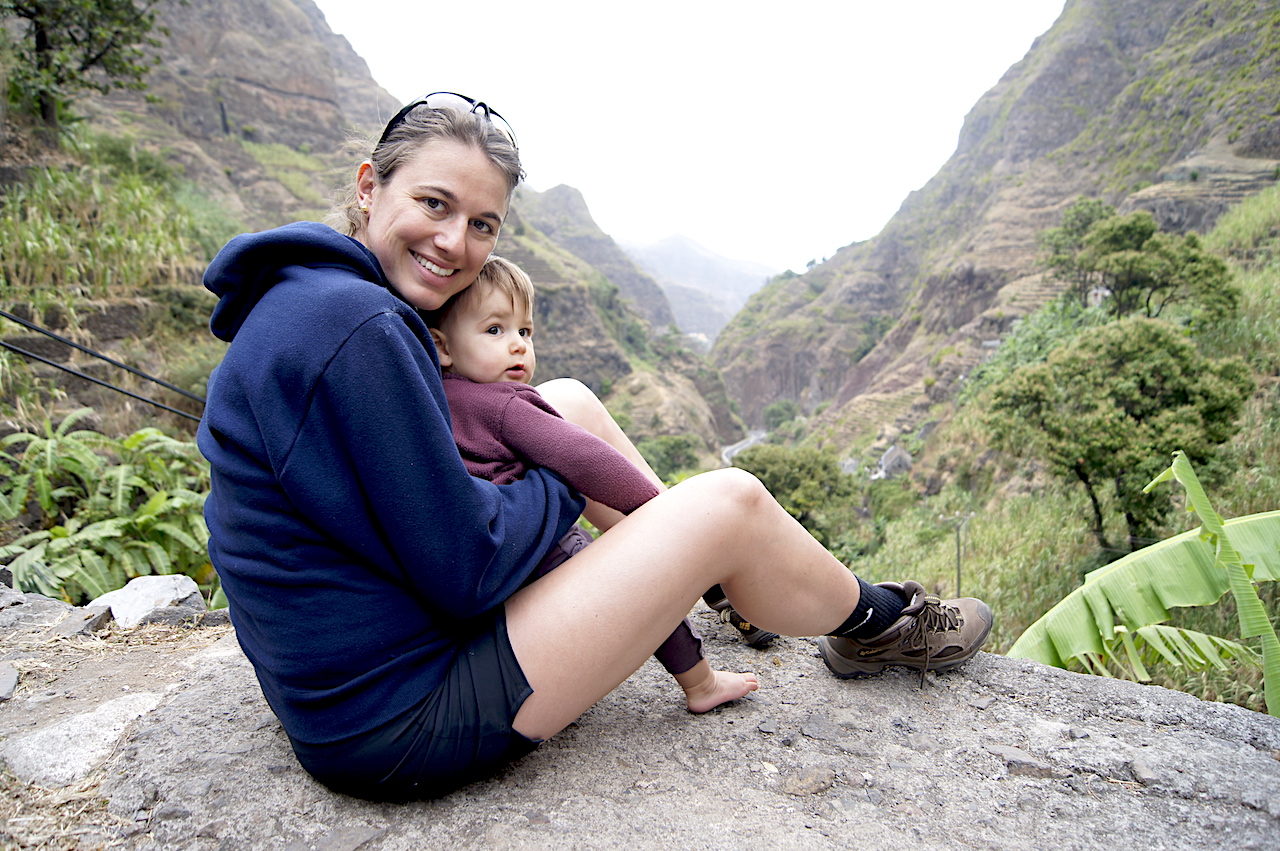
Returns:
<point x="531" y="427"/>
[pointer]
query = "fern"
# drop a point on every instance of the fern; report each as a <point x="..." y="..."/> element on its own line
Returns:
<point x="110" y="510"/>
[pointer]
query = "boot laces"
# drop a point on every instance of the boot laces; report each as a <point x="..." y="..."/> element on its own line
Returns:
<point x="931" y="617"/>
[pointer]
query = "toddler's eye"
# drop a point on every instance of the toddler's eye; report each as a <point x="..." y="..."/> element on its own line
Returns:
<point x="495" y="330"/>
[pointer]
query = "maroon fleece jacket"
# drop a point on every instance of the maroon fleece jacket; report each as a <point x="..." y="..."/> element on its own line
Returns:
<point x="503" y="430"/>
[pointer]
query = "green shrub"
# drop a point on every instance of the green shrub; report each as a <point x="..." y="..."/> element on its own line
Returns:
<point x="87" y="513"/>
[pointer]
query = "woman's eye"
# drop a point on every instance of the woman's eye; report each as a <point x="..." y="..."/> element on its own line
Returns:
<point x="482" y="226"/>
<point x="433" y="203"/>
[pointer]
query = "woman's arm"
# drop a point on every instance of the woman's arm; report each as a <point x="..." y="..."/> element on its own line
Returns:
<point x="374" y="464"/>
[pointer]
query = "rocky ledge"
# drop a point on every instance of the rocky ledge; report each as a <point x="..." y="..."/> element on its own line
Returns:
<point x="160" y="739"/>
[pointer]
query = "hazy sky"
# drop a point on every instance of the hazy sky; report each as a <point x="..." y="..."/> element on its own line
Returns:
<point x="774" y="132"/>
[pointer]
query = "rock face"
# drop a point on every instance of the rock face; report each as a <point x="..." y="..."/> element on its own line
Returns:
<point x="561" y="213"/>
<point x="1001" y="754"/>
<point x="1155" y="105"/>
<point x="233" y="72"/>
<point x="705" y="289"/>
<point x="269" y="72"/>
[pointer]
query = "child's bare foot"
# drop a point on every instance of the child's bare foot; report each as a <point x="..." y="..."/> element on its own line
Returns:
<point x="705" y="689"/>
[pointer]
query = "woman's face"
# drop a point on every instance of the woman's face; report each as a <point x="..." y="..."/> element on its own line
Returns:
<point x="433" y="224"/>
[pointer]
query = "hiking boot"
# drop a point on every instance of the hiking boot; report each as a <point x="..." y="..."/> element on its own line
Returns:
<point x="752" y="634"/>
<point x="930" y="635"/>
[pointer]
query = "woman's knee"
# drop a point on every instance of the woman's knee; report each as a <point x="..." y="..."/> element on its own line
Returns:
<point x="739" y="494"/>
<point x="572" y="398"/>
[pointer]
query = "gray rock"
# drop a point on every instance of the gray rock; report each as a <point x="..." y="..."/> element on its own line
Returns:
<point x="8" y="681"/>
<point x="1020" y="762"/>
<point x="10" y="597"/>
<point x="6" y="576"/>
<point x="81" y="621"/>
<point x="66" y="751"/>
<point x="130" y="604"/>
<point x="30" y="610"/>
<point x="131" y="798"/>
<point x="809" y="781"/>
<point x="209" y="768"/>
<point x="173" y="616"/>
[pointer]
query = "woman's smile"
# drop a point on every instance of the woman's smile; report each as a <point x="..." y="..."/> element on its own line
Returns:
<point x="433" y="223"/>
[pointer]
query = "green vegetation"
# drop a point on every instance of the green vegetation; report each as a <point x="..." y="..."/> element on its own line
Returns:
<point x="780" y="412"/>
<point x="1029" y="535"/>
<point x="89" y="232"/>
<point x="1103" y="405"/>
<point x="807" y="482"/>
<point x="66" y="47"/>
<point x="1129" y="266"/>
<point x="298" y="171"/>
<point x="1115" y="621"/>
<point x="120" y="220"/>
<point x="670" y="455"/>
<point x="99" y="511"/>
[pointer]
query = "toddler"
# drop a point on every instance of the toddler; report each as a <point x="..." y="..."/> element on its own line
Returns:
<point x="503" y="427"/>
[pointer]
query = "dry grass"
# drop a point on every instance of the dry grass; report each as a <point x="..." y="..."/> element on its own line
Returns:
<point x="72" y="818"/>
<point x="76" y="817"/>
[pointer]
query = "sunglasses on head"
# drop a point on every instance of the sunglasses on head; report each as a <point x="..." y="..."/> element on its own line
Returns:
<point x="452" y="100"/>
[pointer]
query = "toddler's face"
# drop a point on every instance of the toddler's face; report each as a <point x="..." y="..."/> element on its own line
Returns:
<point x="490" y="340"/>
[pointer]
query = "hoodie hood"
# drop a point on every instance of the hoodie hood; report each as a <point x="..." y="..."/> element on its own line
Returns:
<point x="250" y="264"/>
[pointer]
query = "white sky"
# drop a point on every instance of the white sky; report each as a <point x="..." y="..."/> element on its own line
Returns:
<point x="766" y="131"/>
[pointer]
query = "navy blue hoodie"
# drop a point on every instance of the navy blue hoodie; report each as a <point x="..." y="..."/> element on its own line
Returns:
<point x="351" y="543"/>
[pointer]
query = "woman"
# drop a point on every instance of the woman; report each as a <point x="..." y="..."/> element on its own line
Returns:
<point x="377" y="588"/>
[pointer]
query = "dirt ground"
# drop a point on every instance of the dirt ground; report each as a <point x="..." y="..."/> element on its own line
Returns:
<point x="60" y="677"/>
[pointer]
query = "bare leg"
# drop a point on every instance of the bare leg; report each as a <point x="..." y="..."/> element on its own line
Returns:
<point x="577" y="404"/>
<point x="588" y="625"/>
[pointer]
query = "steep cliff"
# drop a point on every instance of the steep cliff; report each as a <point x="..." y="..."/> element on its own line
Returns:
<point x="255" y="103"/>
<point x="561" y="213"/>
<point x="1167" y="105"/>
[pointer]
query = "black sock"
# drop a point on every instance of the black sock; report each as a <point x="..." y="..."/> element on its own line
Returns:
<point x="876" y="611"/>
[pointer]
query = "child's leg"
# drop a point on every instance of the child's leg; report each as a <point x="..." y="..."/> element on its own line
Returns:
<point x="680" y="654"/>
<point x="704" y="689"/>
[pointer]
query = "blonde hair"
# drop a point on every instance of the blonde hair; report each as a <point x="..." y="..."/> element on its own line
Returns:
<point x="420" y="127"/>
<point x="498" y="273"/>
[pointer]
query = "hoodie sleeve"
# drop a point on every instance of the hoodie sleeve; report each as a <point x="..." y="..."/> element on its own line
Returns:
<point x="532" y="428"/>
<point x="378" y="419"/>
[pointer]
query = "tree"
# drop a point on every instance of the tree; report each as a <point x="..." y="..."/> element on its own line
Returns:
<point x="669" y="454"/>
<point x="1101" y="408"/>
<point x="1139" y="268"/>
<point x="1060" y="246"/>
<point x="780" y="412"/>
<point x="807" y="482"/>
<point x="66" y="47"/>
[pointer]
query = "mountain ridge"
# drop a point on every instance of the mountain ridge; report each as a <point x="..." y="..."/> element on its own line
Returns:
<point x="705" y="288"/>
<point x="1115" y="100"/>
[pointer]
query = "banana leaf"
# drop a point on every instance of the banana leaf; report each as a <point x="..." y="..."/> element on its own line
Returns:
<point x="1195" y="568"/>
<point x="1139" y="589"/>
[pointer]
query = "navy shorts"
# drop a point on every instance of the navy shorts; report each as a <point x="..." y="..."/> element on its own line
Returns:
<point x="461" y="732"/>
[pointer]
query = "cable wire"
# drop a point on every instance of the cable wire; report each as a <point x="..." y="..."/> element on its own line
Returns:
<point x="78" y="374"/>
<point x="24" y="323"/>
